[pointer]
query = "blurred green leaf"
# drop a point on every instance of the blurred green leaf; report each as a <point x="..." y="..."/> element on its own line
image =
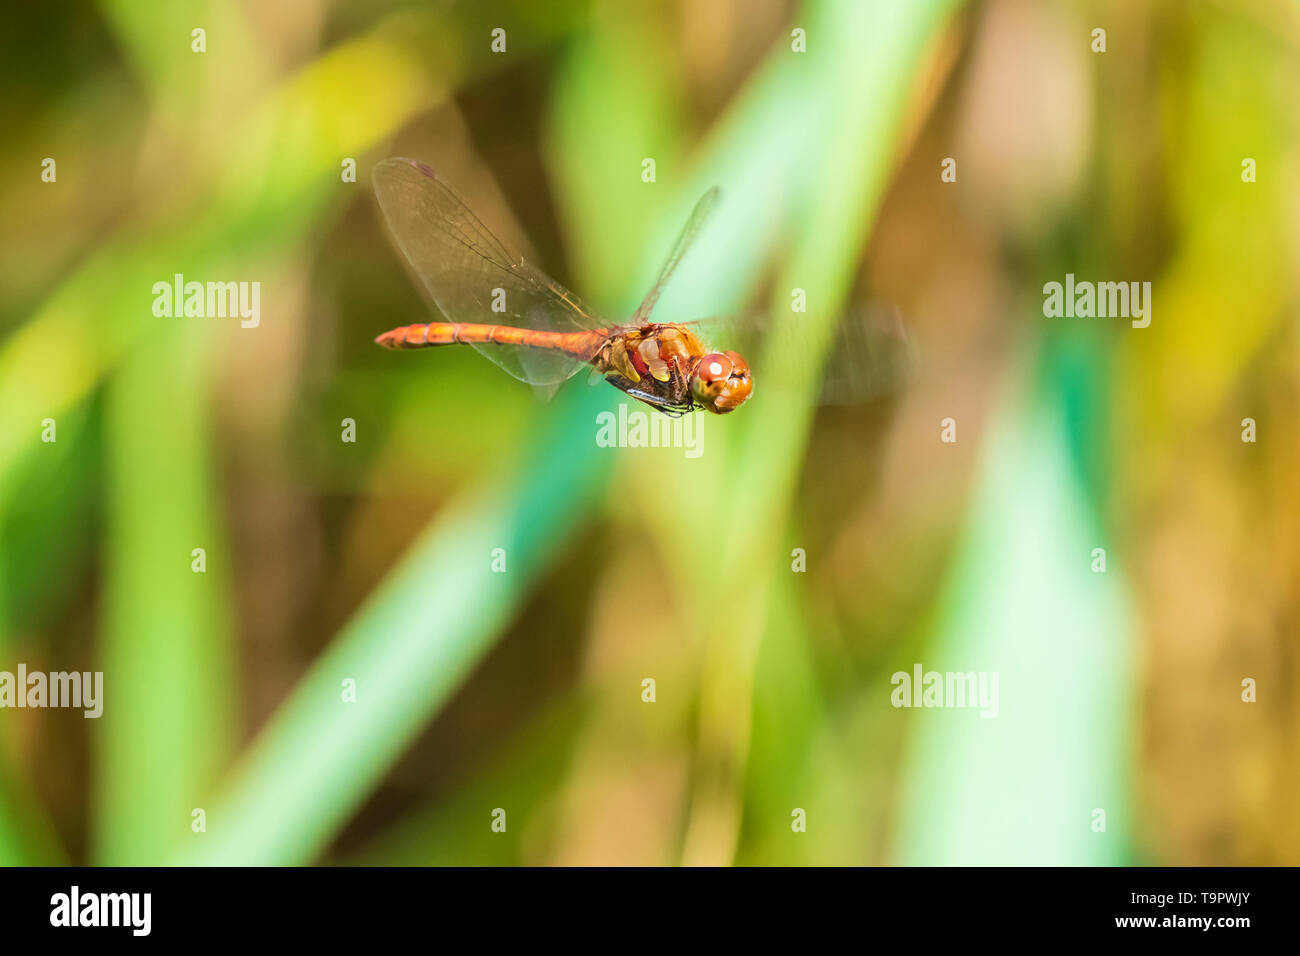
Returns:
<point x="1020" y="788"/>
<point x="406" y="651"/>
<point x="843" y="106"/>
<point x="166" y="651"/>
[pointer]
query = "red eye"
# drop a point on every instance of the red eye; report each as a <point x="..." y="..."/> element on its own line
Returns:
<point x="714" y="367"/>
<point x="738" y="365"/>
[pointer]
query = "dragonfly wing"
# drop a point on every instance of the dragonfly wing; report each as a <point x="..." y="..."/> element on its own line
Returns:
<point x="871" y="358"/>
<point x="699" y="216"/>
<point x="871" y="355"/>
<point x="472" y="276"/>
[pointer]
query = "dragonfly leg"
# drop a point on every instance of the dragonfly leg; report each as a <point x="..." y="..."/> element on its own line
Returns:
<point x="658" y="402"/>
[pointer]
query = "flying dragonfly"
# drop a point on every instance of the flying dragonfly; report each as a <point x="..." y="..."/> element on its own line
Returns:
<point x="472" y="276"/>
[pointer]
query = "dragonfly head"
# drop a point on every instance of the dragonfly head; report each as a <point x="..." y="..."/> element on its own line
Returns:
<point x="721" y="382"/>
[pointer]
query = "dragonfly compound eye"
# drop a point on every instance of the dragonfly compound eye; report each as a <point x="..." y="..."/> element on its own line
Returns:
<point x="714" y="367"/>
<point x="721" y="382"/>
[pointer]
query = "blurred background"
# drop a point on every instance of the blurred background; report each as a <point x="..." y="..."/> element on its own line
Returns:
<point x="769" y="587"/>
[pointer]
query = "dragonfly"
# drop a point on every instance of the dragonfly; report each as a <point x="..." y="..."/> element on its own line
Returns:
<point x="473" y="277"/>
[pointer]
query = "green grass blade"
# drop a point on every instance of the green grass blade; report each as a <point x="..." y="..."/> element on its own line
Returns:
<point x="406" y="651"/>
<point x="1023" y="601"/>
<point x="166" y="655"/>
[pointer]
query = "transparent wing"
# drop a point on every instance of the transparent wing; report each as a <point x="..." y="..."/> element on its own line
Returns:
<point x="699" y="216"/>
<point x="871" y="356"/>
<point x="467" y="270"/>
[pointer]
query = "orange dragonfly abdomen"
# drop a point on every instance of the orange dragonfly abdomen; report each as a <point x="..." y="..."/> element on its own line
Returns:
<point x="581" y="345"/>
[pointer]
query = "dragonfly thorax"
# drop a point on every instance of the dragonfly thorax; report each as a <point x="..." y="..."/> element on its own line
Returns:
<point x="667" y="367"/>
